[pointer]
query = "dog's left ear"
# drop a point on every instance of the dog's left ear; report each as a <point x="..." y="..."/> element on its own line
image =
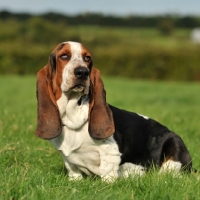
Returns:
<point x="101" y="124"/>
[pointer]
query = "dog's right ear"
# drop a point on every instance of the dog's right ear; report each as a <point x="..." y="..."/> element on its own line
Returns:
<point x="49" y="123"/>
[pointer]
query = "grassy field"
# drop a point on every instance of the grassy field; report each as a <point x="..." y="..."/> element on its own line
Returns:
<point x="30" y="168"/>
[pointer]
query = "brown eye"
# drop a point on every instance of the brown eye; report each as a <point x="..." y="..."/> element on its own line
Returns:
<point x="87" y="58"/>
<point x="65" y="57"/>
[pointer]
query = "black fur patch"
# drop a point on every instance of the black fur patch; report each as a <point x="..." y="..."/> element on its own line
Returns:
<point x="53" y="61"/>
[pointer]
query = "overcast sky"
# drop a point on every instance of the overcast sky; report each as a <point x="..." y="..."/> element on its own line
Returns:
<point x="117" y="7"/>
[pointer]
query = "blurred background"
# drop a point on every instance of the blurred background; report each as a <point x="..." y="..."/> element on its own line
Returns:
<point x="140" y="39"/>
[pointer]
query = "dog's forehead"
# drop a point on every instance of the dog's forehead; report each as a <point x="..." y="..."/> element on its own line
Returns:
<point x="72" y="47"/>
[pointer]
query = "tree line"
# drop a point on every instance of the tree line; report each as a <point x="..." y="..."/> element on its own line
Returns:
<point x="104" y="20"/>
<point x="144" y="47"/>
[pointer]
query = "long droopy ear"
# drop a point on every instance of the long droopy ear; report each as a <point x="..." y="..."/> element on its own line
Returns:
<point x="101" y="124"/>
<point x="48" y="120"/>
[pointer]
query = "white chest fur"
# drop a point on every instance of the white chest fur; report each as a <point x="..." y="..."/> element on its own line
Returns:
<point x="82" y="153"/>
<point x="73" y="115"/>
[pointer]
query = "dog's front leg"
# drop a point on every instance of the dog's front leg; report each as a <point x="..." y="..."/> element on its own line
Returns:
<point x="74" y="173"/>
<point x="109" y="160"/>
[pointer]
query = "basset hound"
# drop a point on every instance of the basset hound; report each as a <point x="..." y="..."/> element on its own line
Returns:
<point x="94" y="137"/>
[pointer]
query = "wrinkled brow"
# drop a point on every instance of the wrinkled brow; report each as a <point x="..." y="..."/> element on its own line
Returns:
<point x="61" y="46"/>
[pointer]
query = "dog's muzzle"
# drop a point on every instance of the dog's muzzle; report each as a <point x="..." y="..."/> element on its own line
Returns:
<point x="81" y="83"/>
<point x="81" y="73"/>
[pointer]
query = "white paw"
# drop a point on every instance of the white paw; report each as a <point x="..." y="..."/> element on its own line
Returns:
<point x="130" y="169"/>
<point x="171" y="166"/>
<point x="110" y="178"/>
<point x="75" y="176"/>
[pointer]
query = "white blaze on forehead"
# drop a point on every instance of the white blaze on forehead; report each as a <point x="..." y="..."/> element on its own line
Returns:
<point x="76" y="54"/>
<point x="76" y="48"/>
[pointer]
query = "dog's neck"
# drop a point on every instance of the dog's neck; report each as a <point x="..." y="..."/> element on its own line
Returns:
<point x="73" y="110"/>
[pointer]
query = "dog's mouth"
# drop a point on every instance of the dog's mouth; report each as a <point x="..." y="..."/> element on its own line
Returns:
<point x="78" y="87"/>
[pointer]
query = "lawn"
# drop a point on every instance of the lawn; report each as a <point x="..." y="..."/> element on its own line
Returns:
<point x="30" y="168"/>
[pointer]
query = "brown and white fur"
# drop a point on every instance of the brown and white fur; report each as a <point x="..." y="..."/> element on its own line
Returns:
<point x="96" y="138"/>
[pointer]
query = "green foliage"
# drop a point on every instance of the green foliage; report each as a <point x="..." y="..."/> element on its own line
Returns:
<point x="129" y="52"/>
<point x="108" y="20"/>
<point x="31" y="168"/>
<point x="166" y="26"/>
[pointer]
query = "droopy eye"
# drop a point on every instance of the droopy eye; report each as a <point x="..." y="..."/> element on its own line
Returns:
<point x="87" y="58"/>
<point x="65" y="57"/>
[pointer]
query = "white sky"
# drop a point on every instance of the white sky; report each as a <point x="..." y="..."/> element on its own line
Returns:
<point x="117" y="7"/>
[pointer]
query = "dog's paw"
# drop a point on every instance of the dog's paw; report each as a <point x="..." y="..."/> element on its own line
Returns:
<point x="171" y="166"/>
<point x="110" y="178"/>
<point x="130" y="169"/>
<point x="75" y="177"/>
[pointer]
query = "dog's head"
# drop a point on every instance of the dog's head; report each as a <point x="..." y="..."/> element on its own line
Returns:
<point x="70" y="70"/>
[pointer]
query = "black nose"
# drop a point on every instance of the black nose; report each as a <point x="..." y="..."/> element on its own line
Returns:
<point x="81" y="72"/>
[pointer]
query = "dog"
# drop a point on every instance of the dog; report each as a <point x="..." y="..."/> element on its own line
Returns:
<point x="96" y="138"/>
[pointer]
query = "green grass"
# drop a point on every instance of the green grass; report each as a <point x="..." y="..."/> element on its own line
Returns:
<point x="30" y="168"/>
